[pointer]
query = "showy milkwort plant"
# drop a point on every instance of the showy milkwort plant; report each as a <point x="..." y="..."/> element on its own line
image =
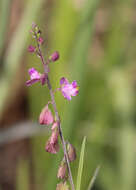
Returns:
<point x="46" y="117"/>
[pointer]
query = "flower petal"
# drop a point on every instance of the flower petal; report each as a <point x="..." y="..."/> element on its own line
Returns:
<point x="30" y="82"/>
<point x="34" y="74"/>
<point x="74" y="84"/>
<point x="66" y="95"/>
<point x="63" y="80"/>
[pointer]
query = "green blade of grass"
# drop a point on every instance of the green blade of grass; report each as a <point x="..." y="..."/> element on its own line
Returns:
<point x="81" y="163"/>
<point x="93" y="178"/>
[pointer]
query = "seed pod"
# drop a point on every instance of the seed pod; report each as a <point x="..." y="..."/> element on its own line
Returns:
<point x="62" y="170"/>
<point x="71" y="152"/>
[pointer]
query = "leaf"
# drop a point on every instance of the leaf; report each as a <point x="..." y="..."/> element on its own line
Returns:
<point x="93" y="178"/>
<point x="81" y="163"/>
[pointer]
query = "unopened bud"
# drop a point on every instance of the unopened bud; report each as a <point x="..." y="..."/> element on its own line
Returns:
<point x="54" y="57"/>
<point x="62" y="170"/>
<point x="40" y="40"/>
<point x="62" y="186"/>
<point x="71" y="152"/>
<point x="31" y="49"/>
<point x="46" y="117"/>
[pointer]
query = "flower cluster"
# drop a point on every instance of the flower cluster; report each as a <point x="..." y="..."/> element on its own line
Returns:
<point x="46" y="116"/>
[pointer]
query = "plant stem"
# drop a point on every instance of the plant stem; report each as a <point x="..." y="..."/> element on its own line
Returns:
<point x="57" y="118"/>
<point x="61" y="134"/>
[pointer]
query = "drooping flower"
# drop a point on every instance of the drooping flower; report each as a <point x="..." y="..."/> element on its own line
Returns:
<point x="52" y="148"/>
<point x="55" y="56"/>
<point x="52" y="145"/>
<point x="35" y="76"/>
<point x="68" y="89"/>
<point x="46" y="117"/>
<point x="31" y="49"/>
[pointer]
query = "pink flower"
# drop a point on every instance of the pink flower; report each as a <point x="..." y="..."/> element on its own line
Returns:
<point x="35" y="76"/>
<point x="68" y="89"/>
<point x="31" y="49"/>
<point x="40" y="40"/>
<point x="52" y="144"/>
<point x="46" y="117"/>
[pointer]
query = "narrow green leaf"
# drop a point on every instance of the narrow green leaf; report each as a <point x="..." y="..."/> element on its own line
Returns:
<point x="93" y="178"/>
<point x="81" y="163"/>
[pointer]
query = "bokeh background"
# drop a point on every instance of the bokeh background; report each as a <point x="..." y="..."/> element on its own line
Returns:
<point x="97" y="44"/>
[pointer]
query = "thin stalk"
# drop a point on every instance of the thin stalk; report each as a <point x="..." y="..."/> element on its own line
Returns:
<point x="57" y="118"/>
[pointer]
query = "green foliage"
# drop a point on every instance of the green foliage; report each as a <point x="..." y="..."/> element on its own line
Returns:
<point x="93" y="178"/>
<point x="81" y="163"/>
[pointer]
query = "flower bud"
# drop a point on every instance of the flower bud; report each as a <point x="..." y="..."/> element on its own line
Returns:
<point x="31" y="49"/>
<point x="62" y="170"/>
<point x="62" y="186"/>
<point x="40" y="40"/>
<point x="54" y="136"/>
<point x="55" y="56"/>
<point x="71" y="152"/>
<point x="46" y="116"/>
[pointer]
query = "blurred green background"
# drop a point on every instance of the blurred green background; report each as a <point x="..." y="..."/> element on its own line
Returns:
<point x="96" y="40"/>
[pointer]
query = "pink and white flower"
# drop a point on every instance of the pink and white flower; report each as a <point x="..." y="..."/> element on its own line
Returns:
<point x="68" y="89"/>
<point x="35" y="76"/>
